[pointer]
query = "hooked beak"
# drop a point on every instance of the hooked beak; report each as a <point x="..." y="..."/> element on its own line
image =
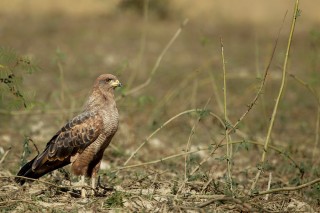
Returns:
<point x="116" y="83"/>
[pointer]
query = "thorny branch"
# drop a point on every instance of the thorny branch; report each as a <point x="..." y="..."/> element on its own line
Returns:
<point x="250" y="106"/>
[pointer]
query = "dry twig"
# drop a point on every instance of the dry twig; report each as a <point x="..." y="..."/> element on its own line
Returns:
<point x="157" y="64"/>
<point x="275" y="109"/>
<point x="250" y="106"/>
<point x="290" y="188"/>
<point x="5" y="155"/>
<point x="316" y="96"/>
<point x="229" y="148"/>
<point x="204" y="149"/>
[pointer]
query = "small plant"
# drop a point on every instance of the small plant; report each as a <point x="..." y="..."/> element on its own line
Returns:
<point x="114" y="201"/>
<point x="26" y="151"/>
<point x="12" y="69"/>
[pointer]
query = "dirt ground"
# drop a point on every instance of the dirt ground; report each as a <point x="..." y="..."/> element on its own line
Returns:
<point x="72" y="42"/>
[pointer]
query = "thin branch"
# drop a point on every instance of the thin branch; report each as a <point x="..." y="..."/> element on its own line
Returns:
<point x="35" y="146"/>
<point x="206" y="185"/>
<point x="276" y="149"/>
<point x="222" y="198"/>
<point x="46" y="182"/>
<point x="226" y="198"/>
<point x="5" y="155"/>
<point x="157" y="130"/>
<point x="290" y="188"/>
<point x="159" y="160"/>
<point x="271" y="191"/>
<point x="305" y="84"/>
<point x="229" y="149"/>
<point x="203" y="149"/>
<point x="156" y="66"/>
<point x="215" y="91"/>
<point x="316" y="96"/>
<point x="188" y="147"/>
<point x="269" y="185"/>
<point x="275" y="109"/>
<point x="250" y="106"/>
<point x="23" y="201"/>
<point x="159" y="194"/>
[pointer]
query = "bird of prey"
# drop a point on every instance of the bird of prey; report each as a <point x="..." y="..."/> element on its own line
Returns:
<point x="83" y="139"/>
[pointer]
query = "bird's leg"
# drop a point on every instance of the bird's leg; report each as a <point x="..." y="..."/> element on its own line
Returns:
<point x="83" y="190"/>
<point x="93" y="177"/>
<point x="93" y="184"/>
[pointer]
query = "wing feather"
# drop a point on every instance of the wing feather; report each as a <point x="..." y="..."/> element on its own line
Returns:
<point x="73" y="138"/>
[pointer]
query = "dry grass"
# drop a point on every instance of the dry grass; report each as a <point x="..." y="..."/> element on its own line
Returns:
<point x="166" y="157"/>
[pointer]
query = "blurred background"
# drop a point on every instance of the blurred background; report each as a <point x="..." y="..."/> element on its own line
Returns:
<point x="70" y="43"/>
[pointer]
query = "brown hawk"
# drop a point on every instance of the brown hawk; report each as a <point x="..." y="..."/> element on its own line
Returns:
<point x="83" y="139"/>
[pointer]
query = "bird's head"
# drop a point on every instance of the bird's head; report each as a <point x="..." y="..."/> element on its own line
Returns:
<point x="102" y="91"/>
<point x="106" y="83"/>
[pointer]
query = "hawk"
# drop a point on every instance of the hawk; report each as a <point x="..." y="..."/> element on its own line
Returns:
<point x="82" y="141"/>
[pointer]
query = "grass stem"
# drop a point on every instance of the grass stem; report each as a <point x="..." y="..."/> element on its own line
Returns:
<point x="275" y="109"/>
<point x="229" y="149"/>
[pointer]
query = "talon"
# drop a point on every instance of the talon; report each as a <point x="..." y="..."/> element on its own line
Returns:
<point x="99" y="185"/>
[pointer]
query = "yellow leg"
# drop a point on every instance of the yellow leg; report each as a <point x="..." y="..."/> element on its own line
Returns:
<point x="83" y="190"/>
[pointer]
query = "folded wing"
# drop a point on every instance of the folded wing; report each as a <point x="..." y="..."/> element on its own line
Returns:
<point x="73" y="138"/>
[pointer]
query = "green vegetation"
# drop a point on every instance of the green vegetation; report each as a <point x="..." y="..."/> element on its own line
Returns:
<point x="12" y="70"/>
<point x="114" y="201"/>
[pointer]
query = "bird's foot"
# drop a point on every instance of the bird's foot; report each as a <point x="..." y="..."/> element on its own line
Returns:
<point x="83" y="185"/>
<point x="107" y="188"/>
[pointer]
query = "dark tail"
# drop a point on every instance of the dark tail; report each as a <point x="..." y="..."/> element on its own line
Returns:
<point x="26" y="170"/>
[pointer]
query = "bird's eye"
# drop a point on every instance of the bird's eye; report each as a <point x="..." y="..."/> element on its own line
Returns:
<point x="108" y="79"/>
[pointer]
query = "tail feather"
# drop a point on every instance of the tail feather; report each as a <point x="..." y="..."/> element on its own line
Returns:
<point x="26" y="171"/>
<point x="49" y="166"/>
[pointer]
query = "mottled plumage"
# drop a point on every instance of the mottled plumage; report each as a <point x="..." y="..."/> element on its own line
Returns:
<point x="83" y="139"/>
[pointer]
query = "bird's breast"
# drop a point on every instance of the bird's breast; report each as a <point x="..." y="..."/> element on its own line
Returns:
<point x="110" y="121"/>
